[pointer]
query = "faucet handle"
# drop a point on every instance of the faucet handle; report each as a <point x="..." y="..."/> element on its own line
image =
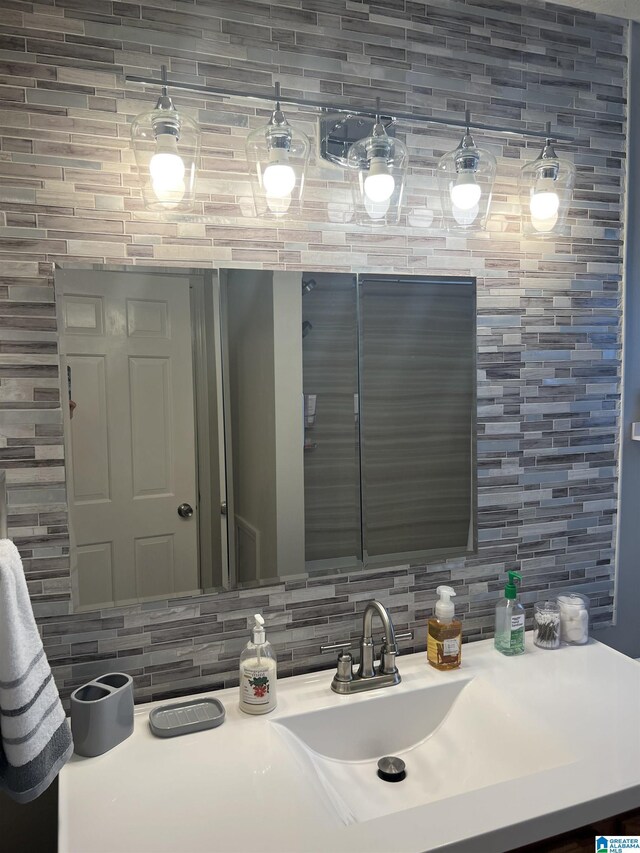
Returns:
<point x="336" y="647"/>
<point x="388" y="659"/>
<point x="345" y="666"/>
<point x="350" y="644"/>
<point x="406" y="635"/>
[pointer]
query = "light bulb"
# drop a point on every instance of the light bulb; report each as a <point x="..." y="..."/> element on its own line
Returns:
<point x="279" y="178"/>
<point x="278" y="205"/>
<point x="467" y="217"/>
<point x="544" y="205"/>
<point x="376" y="209"/>
<point x="379" y="184"/>
<point x="167" y="170"/>
<point x="169" y="194"/>
<point x="544" y="226"/>
<point x="466" y="192"/>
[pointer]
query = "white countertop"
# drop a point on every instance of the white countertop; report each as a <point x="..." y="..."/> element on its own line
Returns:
<point x="241" y="788"/>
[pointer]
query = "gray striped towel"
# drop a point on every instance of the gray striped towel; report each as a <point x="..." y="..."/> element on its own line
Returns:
<point x="35" y="738"/>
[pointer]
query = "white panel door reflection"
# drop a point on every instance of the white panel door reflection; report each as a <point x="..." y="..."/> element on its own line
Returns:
<point x="125" y="342"/>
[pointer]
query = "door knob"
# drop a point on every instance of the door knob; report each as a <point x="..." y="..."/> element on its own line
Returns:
<point x="185" y="510"/>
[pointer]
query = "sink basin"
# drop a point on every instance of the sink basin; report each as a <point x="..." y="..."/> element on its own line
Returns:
<point x="454" y="738"/>
<point x="382" y="724"/>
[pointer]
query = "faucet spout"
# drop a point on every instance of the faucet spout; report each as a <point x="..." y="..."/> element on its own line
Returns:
<point x="367" y="622"/>
<point x="367" y="651"/>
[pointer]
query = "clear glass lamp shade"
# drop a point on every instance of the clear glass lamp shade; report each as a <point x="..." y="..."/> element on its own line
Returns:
<point x="166" y="145"/>
<point x="277" y="154"/>
<point x="377" y="173"/>
<point x="546" y="191"/>
<point x="465" y="180"/>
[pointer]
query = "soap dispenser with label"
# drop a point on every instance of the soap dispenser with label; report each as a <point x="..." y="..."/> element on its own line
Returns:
<point x="510" y="614"/>
<point x="444" y="633"/>
<point x="258" y="672"/>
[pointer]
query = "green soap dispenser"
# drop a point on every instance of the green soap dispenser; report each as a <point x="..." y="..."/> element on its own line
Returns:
<point x="509" y="635"/>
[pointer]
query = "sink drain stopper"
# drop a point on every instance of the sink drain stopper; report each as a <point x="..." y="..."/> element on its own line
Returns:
<point x="391" y="769"/>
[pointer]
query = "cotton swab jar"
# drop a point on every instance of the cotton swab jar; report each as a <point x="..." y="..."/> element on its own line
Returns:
<point x="546" y="625"/>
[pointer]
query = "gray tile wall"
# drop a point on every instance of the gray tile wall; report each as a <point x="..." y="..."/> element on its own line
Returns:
<point x="549" y="312"/>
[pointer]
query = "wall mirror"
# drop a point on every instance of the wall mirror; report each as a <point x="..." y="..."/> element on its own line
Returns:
<point x="232" y="427"/>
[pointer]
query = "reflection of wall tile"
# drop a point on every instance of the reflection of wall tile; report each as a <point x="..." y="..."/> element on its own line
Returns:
<point x="548" y="333"/>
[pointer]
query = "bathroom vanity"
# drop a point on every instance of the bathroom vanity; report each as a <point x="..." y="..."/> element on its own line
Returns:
<point x="498" y="754"/>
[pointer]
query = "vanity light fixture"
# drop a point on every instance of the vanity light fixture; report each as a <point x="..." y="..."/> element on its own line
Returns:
<point x="278" y="154"/>
<point x="546" y="187"/>
<point x="466" y="177"/>
<point x="377" y="165"/>
<point x="166" y="145"/>
<point x="377" y="168"/>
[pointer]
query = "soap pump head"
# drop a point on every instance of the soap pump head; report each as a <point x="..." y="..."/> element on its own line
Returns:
<point x="510" y="590"/>
<point x="444" y="607"/>
<point x="259" y="636"/>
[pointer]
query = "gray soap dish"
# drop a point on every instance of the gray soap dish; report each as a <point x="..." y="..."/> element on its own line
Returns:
<point x="186" y="717"/>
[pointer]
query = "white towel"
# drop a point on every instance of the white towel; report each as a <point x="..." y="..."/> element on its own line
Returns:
<point x="35" y="738"/>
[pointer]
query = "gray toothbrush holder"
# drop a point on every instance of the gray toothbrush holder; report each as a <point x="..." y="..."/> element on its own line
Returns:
<point x="102" y="713"/>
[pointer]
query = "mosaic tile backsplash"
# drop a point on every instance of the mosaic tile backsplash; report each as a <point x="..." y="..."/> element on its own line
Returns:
<point x="548" y="311"/>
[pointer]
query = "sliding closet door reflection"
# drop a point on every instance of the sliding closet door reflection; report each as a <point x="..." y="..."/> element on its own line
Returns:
<point x="331" y="452"/>
<point x="417" y="349"/>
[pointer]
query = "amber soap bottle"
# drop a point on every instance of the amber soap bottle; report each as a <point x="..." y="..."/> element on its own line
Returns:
<point x="444" y="633"/>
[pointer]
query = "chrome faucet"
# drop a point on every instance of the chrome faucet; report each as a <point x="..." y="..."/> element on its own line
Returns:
<point x="367" y="677"/>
